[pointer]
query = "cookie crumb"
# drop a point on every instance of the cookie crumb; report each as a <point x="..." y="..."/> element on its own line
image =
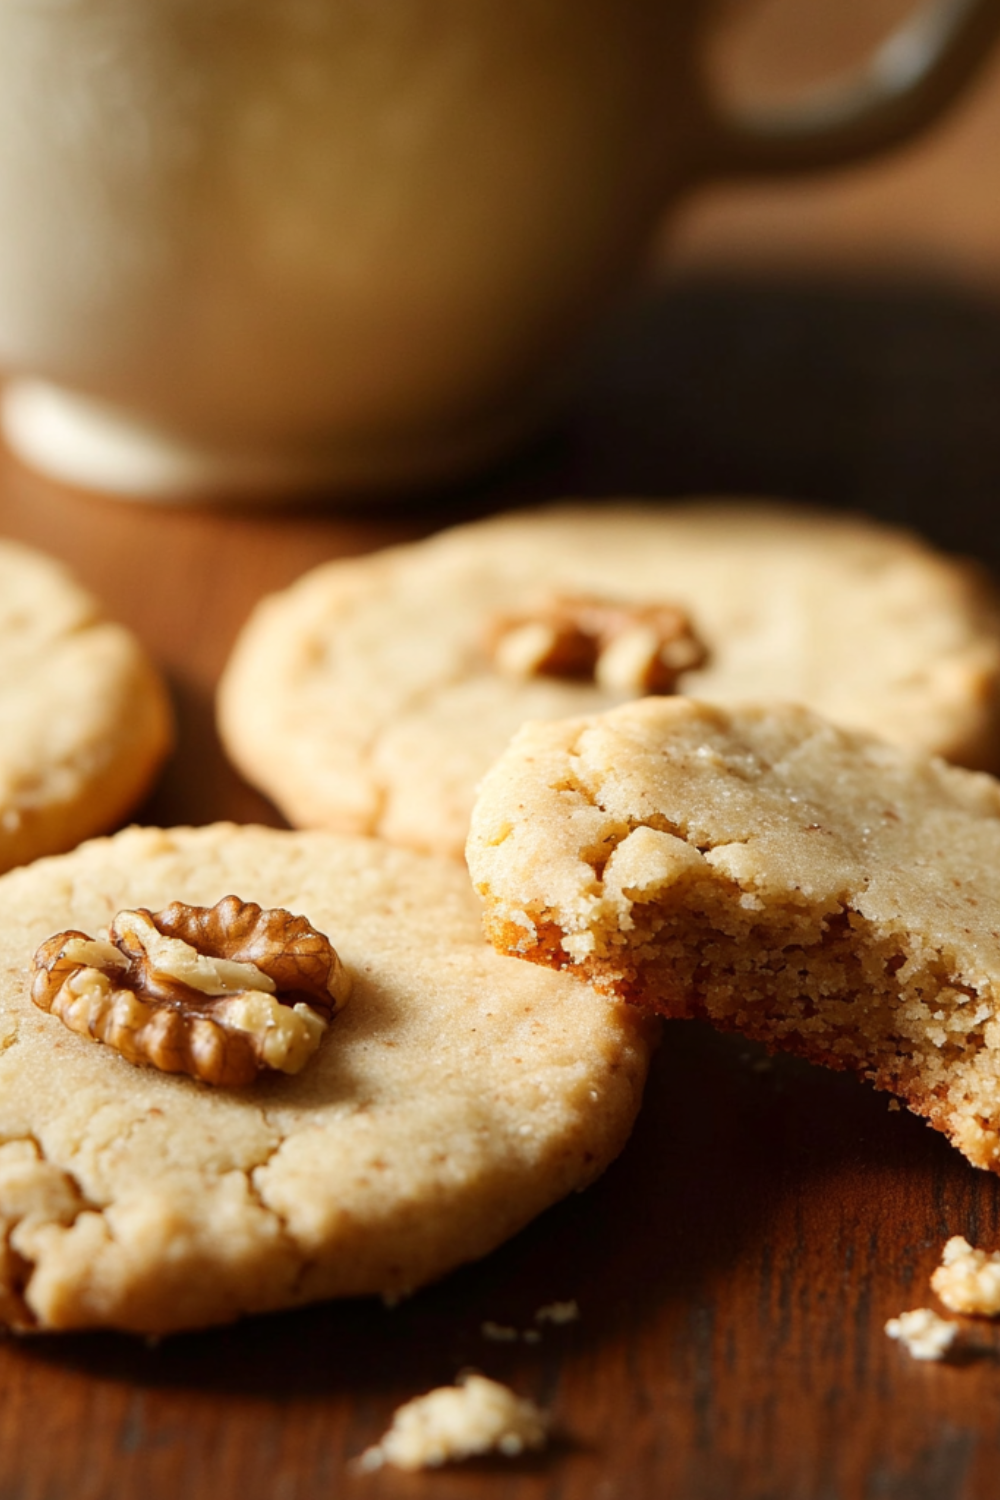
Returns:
<point x="925" y="1335"/>
<point x="499" y="1333"/>
<point x="968" y="1280"/>
<point x="503" y="1333"/>
<point x="558" y="1313"/>
<point x="455" y="1422"/>
<point x="894" y="1105"/>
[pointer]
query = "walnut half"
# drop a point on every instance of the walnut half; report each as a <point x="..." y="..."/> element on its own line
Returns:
<point x="220" y="992"/>
<point x="630" y="649"/>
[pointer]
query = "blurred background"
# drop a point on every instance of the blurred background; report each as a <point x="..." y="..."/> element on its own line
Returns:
<point x="834" y="337"/>
<point x="930" y="209"/>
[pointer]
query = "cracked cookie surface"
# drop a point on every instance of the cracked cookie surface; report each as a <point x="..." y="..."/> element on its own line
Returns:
<point x="365" y="699"/>
<point x="457" y="1095"/>
<point x="814" y="888"/>
<point x="84" y="717"/>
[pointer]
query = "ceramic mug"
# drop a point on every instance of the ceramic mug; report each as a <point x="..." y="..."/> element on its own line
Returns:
<point x="248" y="246"/>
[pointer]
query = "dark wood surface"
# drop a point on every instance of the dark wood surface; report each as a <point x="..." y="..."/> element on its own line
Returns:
<point x="735" y="1268"/>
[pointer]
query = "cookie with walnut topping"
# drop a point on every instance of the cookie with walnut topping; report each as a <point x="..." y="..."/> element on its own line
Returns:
<point x="453" y="1093"/>
<point x="84" y="717"/>
<point x="373" y="694"/>
<point x="812" y="887"/>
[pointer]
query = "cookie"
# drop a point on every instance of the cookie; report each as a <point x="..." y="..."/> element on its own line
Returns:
<point x="455" y="1095"/>
<point x="84" y="717"/>
<point x="372" y="695"/>
<point x="822" y="891"/>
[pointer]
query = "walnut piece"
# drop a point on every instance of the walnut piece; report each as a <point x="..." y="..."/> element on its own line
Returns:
<point x="629" y="649"/>
<point x="220" y="992"/>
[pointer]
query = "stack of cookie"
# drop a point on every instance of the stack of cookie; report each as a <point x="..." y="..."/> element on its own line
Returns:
<point x="318" y="1079"/>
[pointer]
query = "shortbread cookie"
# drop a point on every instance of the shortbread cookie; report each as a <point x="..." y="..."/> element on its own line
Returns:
<point x="372" y="695"/>
<point x="84" y="718"/>
<point x="455" y="1095"/>
<point x="810" y="886"/>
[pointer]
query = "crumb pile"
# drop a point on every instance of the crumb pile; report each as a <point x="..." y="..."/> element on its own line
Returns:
<point x="924" y="1334"/>
<point x="459" y="1421"/>
<point x="968" y="1280"/>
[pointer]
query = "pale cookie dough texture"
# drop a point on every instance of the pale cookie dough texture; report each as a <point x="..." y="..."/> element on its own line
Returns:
<point x="365" y="699"/>
<point x="809" y="886"/>
<point x="84" y="717"/>
<point x="968" y="1280"/>
<point x="457" y="1095"/>
<point x="456" y="1422"/>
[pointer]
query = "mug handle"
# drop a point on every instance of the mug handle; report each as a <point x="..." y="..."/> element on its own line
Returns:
<point x="908" y="80"/>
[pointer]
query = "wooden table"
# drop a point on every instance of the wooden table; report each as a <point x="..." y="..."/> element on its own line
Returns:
<point x="735" y="1268"/>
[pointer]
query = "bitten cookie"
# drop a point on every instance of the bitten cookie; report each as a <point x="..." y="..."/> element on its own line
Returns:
<point x="809" y="886"/>
<point x="372" y="695"/>
<point x="84" y="717"/>
<point x="451" y="1095"/>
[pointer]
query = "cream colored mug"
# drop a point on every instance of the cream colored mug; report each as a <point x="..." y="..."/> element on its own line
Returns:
<point x="248" y="246"/>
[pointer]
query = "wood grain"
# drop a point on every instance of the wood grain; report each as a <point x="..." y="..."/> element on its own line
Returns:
<point x="735" y="1268"/>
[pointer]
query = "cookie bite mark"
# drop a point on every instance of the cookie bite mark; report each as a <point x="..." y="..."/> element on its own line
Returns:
<point x="629" y="649"/>
<point x="220" y="993"/>
<point x="810" y="887"/>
